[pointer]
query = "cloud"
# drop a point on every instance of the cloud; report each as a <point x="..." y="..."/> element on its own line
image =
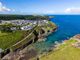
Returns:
<point x="72" y="10"/>
<point x="4" y="8"/>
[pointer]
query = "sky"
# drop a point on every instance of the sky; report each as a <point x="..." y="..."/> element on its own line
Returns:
<point x="39" y="6"/>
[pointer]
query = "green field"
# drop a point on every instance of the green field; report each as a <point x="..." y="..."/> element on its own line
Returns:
<point x="8" y="39"/>
<point x="65" y="52"/>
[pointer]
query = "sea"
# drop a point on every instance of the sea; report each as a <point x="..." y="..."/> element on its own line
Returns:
<point x="68" y="26"/>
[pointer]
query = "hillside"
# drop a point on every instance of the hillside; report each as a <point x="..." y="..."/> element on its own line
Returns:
<point x="66" y="51"/>
<point x="20" y="39"/>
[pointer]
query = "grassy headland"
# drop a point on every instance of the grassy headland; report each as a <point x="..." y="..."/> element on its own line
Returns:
<point x="17" y="34"/>
<point x="66" y="51"/>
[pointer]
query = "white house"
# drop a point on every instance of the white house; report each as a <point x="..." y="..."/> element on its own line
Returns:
<point x="26" y="27"/>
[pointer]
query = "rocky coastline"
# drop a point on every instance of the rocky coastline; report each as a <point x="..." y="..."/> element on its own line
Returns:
<point x="73" y="42"/>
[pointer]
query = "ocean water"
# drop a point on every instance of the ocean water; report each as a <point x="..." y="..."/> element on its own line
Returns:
<point x="68" y="26"/>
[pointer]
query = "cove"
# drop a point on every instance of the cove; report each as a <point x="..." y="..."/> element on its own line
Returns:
<point x="68" y="26"/>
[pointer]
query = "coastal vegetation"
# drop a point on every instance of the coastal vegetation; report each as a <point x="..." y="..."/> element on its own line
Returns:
<point x="66" y="51"/>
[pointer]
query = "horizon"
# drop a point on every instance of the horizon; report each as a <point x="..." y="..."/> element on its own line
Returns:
<point x="40" y="7"/>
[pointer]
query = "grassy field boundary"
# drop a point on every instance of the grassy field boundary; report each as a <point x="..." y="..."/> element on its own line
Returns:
<point x="24" y="41"/>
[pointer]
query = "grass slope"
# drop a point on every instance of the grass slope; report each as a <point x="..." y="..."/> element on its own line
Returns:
<point x="8" y="39"/>
<point x="65" y="52"/>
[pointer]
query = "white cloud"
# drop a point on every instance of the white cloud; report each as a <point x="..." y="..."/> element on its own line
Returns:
<point x="4" y="8"/>
<point x="72" y="10"/>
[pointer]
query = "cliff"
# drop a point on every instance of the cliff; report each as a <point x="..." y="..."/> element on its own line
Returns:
<point x="39" y="32"/>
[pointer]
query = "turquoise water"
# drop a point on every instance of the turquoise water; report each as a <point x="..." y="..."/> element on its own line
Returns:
<point x="68" y="26"/>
